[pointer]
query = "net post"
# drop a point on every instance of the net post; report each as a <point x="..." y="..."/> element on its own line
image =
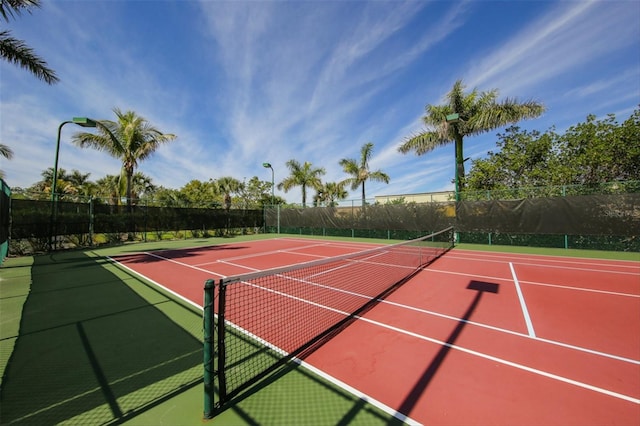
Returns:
<point x="209" y="288"/>
<point x="222" y="353"/>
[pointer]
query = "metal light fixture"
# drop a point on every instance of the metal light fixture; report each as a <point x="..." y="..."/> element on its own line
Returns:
<point x="80" y="121"/>
<point x="268" y="166"/>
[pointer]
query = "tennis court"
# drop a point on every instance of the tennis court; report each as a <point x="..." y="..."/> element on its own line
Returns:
<point x="474" y="338"/>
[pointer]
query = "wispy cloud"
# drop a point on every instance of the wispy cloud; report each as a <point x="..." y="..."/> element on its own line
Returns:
<point x="569" y="35"/>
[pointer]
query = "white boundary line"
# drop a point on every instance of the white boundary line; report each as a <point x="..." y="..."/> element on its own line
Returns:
<point x="545" y="259"/>
<point x="575" y="266"/>
<point x="523" y="305"/>
<point x="168" y="290"/>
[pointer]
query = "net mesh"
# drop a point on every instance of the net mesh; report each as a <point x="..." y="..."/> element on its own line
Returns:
<point x="265" y="319"/>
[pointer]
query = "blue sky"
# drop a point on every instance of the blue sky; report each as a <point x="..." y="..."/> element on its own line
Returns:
<point x="241" y="83"/>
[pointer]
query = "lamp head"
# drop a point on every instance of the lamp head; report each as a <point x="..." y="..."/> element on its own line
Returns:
<point x="84" y="121"/>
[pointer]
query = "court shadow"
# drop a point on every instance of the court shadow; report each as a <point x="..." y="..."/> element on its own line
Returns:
<point x="309" y="400"/>
<point x="173" y="253"/>
<point x="91" y="350"/>
<point x="410" y="401"/>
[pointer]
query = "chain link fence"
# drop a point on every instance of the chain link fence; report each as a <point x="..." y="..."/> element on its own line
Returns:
<point x="601" y="217"/>
<point x="43" y="225"/>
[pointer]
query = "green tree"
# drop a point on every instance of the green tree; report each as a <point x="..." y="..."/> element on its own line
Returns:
<point x="329" y="193"/>
<point x="166" y="197"/>
<point x="524" y="158"/>
<point x="303" y="175"/>
<point x="79" y="185"/>
<point x="131" y="139"/>
<point x="359" y="170"/>
<point x="257" y="193"/>
<point x="589" y="153"/>
<point x="227" y="186"/>
<point x="467" y="114"/>
<point x="604" y="150"/>
<point x="202" y="194"/>
<point x="142" y="186"/>
<point x="108" y="188"/>
<point x="44" y="185"/>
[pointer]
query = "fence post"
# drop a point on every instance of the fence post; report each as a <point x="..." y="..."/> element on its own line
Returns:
<point x="91" y="221"/>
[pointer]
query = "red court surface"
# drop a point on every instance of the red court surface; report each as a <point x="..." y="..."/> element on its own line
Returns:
<point x="477" y="338"/>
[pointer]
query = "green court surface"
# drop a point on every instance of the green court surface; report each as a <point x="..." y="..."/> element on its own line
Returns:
<point x="83" y="341"/>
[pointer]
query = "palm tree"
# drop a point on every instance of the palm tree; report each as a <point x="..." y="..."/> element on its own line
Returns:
<point x="7" y="153"/>
<point x="359" y="171"/>
<point x="329" y="193"/>
<point x="303" y="176"/>
<point x="131" y="139"/>
<point x="62" y="184"/>
<point x="79" y="183"/>
<point x="227" y="186"/>
<point x="109" y="188"/>
<point x="141" y="185"/>
<point x="16" y="51"/>
<point x="467" y="114"/>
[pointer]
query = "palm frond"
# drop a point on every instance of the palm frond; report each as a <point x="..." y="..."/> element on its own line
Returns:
<point x="12" y="8"/>
<point x="424" y="142"/>
<point x="17" y="52"/>
<point x="6" y="152"/>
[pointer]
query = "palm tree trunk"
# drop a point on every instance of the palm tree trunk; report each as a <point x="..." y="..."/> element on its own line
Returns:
<point x="363" y="196"/>
<point x="304" y="196"/>
<point x="128" y="194"/>
<point x="459" y="180"/>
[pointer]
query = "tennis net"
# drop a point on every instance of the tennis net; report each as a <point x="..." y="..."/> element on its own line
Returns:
<point x="256" y="322"/>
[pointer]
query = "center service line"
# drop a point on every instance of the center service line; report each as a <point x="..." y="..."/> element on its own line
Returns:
<point x="525" y="312"/>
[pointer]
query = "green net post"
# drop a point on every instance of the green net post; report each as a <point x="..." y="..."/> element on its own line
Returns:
<point x="5" y="219"/>
<point x="209" y="288"/>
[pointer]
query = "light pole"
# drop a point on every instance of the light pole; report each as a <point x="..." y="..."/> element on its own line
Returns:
<point x="80" y="121"/>
<point x="452" y="119"/>
<point x="268" y="166"/>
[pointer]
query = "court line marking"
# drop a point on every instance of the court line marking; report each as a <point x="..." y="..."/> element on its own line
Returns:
<point x="545" y="259"/>
<point x="462" y="349"/>
<point x="523" y="305"/>
<point x="144" y="277"/>
<point x="183" y="264"/>
<point x="464" y="274"/>
<point x="263" y="253"/>
<point x="512" y="332"/>
<point x="590" y="290"/>
<point x="542" y="264"/>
